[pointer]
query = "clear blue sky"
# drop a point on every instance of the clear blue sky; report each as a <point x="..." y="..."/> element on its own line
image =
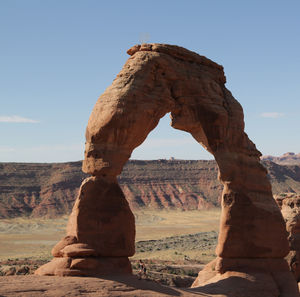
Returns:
<point x="58" y="56"/>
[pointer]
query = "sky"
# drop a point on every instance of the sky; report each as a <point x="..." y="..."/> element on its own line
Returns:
<point x="58" y="56"/>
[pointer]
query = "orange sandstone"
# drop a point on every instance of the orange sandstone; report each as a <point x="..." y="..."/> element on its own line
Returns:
<point x="158" y="79"/>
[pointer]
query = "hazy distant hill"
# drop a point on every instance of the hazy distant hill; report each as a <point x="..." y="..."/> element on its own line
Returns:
<point x="35" y="189"/>
<point x="285" y="159"/>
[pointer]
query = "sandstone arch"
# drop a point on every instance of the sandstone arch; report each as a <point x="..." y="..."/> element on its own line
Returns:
<point x="155" y="80"/>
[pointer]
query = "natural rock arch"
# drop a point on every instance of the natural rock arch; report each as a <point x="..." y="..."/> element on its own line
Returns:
<point x="155" y="80"/>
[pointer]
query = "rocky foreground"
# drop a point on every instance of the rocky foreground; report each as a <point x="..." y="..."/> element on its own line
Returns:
<point x="49" y="190"/>
<point x="237" y="285"/>
<point x="28" y="286"/>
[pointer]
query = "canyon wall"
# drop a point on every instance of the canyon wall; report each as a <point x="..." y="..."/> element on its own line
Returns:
<point x="49" y="189"/>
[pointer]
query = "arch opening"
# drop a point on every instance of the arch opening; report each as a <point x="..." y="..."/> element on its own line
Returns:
<point x="168" y="189"/>
<point x="166" y="142"/>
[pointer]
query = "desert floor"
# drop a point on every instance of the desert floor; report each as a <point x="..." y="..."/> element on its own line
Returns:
<point x="35" y="237"/>
<point x="175" y="245"/>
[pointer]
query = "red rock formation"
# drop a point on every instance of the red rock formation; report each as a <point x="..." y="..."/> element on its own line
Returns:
<point x="101" y="233"/>
<point x="290" y="208"/>
<point x="158" y="79"/>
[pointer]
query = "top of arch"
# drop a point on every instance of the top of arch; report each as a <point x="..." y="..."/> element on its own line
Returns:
<point x="176" y="52"/>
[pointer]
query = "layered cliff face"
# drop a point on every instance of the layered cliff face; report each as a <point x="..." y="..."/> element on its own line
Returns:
<point x="284" y="178"/>
<point x="171" y="184"/>
<point x="38" y="189"/>
<point x="50" y="189"/>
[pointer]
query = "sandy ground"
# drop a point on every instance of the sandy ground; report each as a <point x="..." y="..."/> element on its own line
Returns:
<point x="27" y="237"/>
<point x="35" y="237"/>
<point x="36" y="286"/>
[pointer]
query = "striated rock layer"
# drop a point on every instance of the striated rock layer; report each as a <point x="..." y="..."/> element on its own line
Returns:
<point x="38" y="189"/>
<point x="49" y="190"/>
<point x="156" y="80"/>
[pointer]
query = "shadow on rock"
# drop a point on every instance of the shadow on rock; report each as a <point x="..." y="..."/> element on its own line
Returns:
<point x="143" y="284"/>
<point x="240" y="286"/>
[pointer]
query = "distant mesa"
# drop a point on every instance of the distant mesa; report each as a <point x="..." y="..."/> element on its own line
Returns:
<point x="286" y="159"/>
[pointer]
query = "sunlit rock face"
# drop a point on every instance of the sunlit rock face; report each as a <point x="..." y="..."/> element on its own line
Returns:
<point x="155" y="80"/>
<point x="290" y="208"/>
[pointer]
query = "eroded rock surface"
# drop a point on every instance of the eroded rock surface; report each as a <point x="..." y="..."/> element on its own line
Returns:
<point x="290" y="208"/>
<point x="100" y="233"/>
<point x="158" y="79"/>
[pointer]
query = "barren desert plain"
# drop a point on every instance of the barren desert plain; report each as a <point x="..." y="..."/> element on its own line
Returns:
<point x="174" y="236"/>
<point x="175" y="245"/>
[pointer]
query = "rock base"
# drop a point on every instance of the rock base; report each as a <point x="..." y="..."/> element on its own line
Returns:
<point x="91" y="266"/>
<point x="255" y="277"/>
